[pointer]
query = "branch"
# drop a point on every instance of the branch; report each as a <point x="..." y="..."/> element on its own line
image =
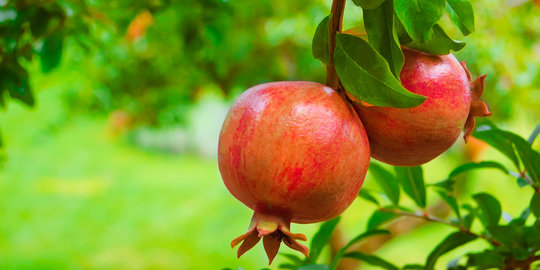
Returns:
<point x="436" y="219"/>
<point x="336" y="24"/>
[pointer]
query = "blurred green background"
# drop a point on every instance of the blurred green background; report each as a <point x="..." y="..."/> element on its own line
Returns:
<point x="114" y="167"/>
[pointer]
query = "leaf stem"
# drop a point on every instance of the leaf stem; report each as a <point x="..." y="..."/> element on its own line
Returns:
<point x="336" y="24"/>
<point x="426" y="216"/>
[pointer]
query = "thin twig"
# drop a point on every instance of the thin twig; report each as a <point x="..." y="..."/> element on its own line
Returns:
<point x="435" y="219"/>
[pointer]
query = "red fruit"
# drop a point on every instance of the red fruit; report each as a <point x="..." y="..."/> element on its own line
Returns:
<point x="292" y="152"/>
<point x="414" y="136"/>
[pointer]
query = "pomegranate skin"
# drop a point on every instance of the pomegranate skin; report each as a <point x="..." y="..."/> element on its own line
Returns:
<point x="295" y="150"/>
<point x="414" y="136"/>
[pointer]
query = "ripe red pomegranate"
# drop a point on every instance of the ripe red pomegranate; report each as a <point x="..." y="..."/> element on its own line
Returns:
<point x="414" y="136"/>
<point x="292" y="152"/>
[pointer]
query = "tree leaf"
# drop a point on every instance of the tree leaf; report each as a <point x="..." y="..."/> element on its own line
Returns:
<point x="486" y="259"/>
<point x="468" y="219"/>
<point x="371" y="259"/>
<point x="512" y="237"/>
<point x="320" y="239"/>
<point x="451" y="242"/>
<point x="447" y="184"/>
<point x="480" y="165"/>
<point x="368" y="4"/>
<point x="439" y="43"/>
<point x="296" y="260"/>
<point x="412" y="180"/>
<point x="490" y="208"/>
<point x="386" y="181"/>
<point x="509" y="143"/>
<point x="451" y="201"/>
<point x="366" y="195"/>
<point x="15" y="80"/>
<point x="51" y="52"/>
<point x="320" y="46"/>
<point x="534" y="134"/>
<point x="353" y="241"/>
<point x="382" y="35"/>
<point x="366" y="74"/>
<point x="419" y="16"/>
<point x="413" y="267"/>
<point x="535" y="205"/>
<point x="380" y="217"/>
<point x="462" y="15"/>
<point x="314" y="267"/>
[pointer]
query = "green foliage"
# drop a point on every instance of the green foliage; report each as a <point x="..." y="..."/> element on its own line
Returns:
<point x="321" y="43"/>
<point x="412" y="181"/>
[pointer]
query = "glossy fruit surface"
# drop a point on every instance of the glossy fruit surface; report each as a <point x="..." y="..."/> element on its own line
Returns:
<point x="414" y="136"/>
<point x="292" y="152"/>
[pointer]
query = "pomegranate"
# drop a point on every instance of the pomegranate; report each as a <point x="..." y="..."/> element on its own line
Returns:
<point x="292" y="152"/>
<point x="414" y="136"/>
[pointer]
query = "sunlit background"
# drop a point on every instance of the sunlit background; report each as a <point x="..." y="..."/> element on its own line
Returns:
<point x="115" y="165"/>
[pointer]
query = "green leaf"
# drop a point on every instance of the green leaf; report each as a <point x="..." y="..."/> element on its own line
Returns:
<point x="294" y="259"/>
<point x="320" y="47"/>
<point x="366" y="195"/>
<point x="413" y="267"/>
<point x="462" y="15"/>
<point x="440" y="43"/>
<point x="447" y="184"/>
<point x="498" y="140"/>
<point x="451" y="201"/>
<point x="371" y="259"/>
<point x="451" y="242"/>
<point x="366" y="74"/>
<point x="535" y="205"/>
<point x="480" y="165"/>
<point x="355" y="240"/>
<point x="386" y="181"/>
<point x="490" y="209"/>
<point x="380" y="217"/>
<point x="412" y="180"/>
<point x="51" y="52"/>
<point x="468" y="219"/>
<point x="368" y="4"/>
<point x="314" y="267"/>
<point x="509" y="143"/>
<point x="15" y="80"/>
<point x="383" y="37"/>
<point x="39" y="22"/>
<point x="534" y="134"/>
<point x="320" y="239"/>
<point x="419" y="16"/>
<point x="512" y="237"/>
<point x="486" y="259"/>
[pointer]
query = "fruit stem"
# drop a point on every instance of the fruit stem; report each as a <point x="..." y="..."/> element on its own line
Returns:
<point x="336" y="24"/>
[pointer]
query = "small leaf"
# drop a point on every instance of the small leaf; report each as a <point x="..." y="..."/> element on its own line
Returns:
<point x="39" y="22"/>
<point x="451" y="201"/>
<point x="382" y="35"/>
<point x="512" y="237"/>
<point x="355" y="240"/>
<point x="380" y="217"/>
<point x="534" y="134"/>
<point x="386" y="181"/>
<point x="468" y="219"/>
<point x="51" y="52"/>
<point x="321" y="41"/>
<point x="447" y="184"/>
<point x="509" y="143"/>
<point x="451" y="242"/>
<point x="320" y="239"/>
<point x="366" y="75"/>
<point x="419" y="16"/>
<point x="15" y="80"/>
<point x="462" y="15"/>
<point x="480" y="165"/>
<point x="413" y="267"/>
<point x="366" y="195"/>
<point x="486" y="259"/>
<point x="371" y="259"/>
<point x="440" y="43"/>
<point x="295" y="260"/>
<point x="535" y="205"/>
<point x="489" y="207"/>
<point x="412" y="180"/>
<point x="314" y="267"/>
<point x="368" y="4"/>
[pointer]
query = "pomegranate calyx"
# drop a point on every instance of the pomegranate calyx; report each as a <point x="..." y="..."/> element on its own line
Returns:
<point x="478" y="107"/>
<point x="273" y="229"/>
